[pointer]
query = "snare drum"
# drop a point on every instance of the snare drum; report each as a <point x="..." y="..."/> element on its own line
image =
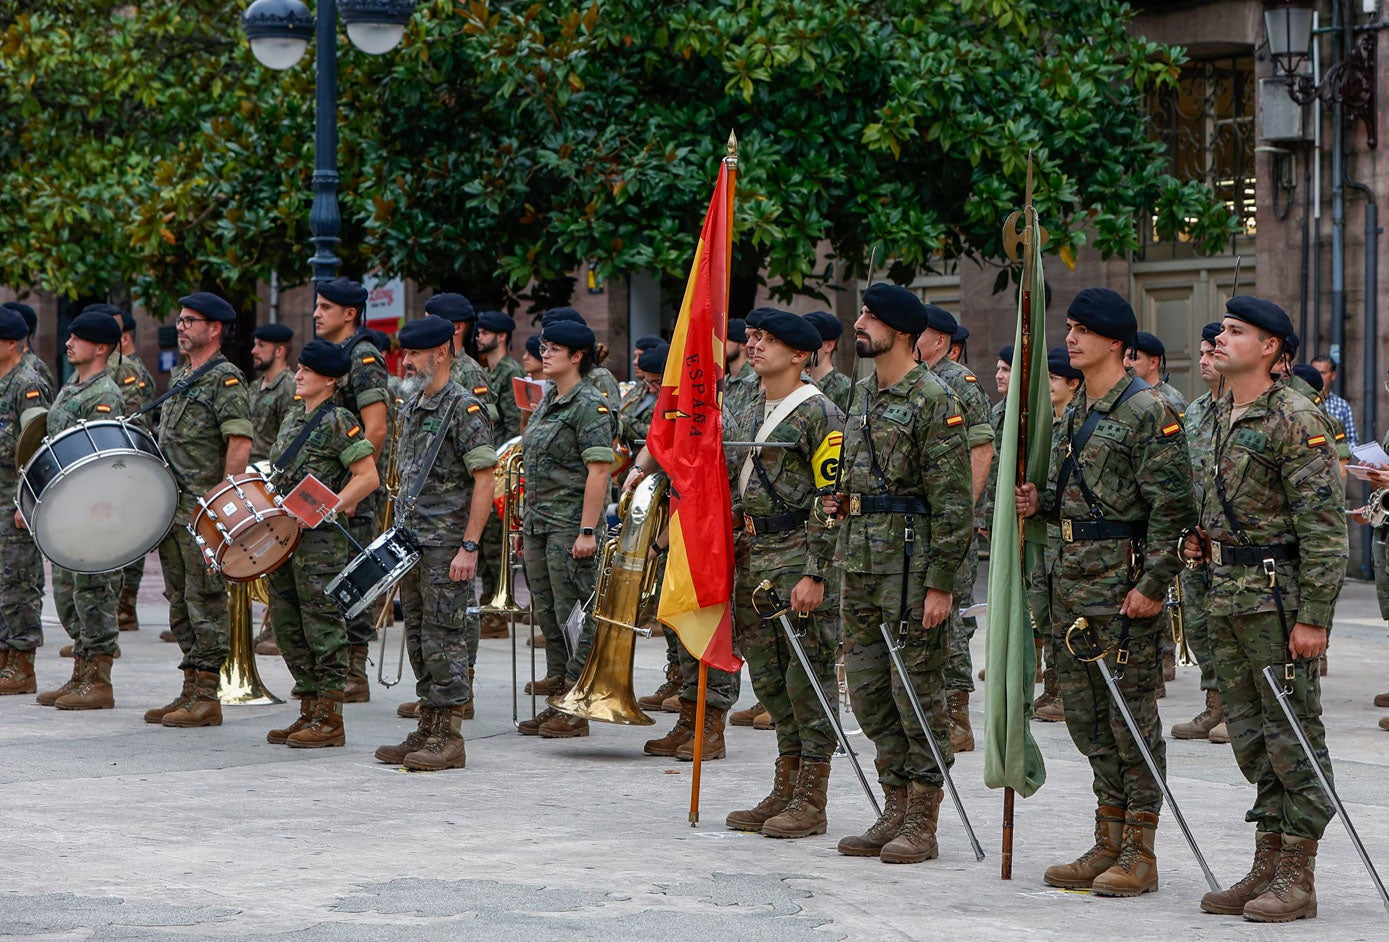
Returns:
<point x="381" y="565"/>
<point x="97" y="496"/>
<point x="243" y="529"/>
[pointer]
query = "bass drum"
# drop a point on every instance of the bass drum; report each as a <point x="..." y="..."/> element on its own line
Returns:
<point x="97" y="496"/>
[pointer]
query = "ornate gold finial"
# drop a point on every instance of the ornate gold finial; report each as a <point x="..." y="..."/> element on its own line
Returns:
<point x="733" y="144"/>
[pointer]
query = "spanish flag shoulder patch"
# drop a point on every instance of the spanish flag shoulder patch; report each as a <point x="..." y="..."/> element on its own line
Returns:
<point x="955" y="420"/>
<point x="479" y="390"/>
<point x="603" y="410"/>
<point x="1340" y="436"/>
<point x="475" y="408"/>
<point x="1316" y="441"/>
<point x="32" y="394"/>
<point x="298" y="398"/>
<point x="1172" y="429"/>
<point x="971" y="378"/>
<point x="130" y="379"/>
<point x="231" y="381"/>
<point x="368" y="360"/>
<point x="354" y="431"/>
<point x="103" y="408"/>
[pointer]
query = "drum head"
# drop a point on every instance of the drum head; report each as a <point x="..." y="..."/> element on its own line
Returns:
<point x="30" y="439"/>
<point x="105" y="514"/>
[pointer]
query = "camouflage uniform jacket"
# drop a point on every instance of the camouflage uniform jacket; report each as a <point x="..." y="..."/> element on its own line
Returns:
<point x="507" y="425"/>
<point x="439" y="515"/>
<point x="919" y="438"/>
<point x="838" y="387"/>
<point x="469" y="374"/>
<point x="563" y="435"/>
<point x="603" y="380"/>
<point x="135" y="382"/>
<point x="367" y="383"/>
<point x="1301" y="385"/>
<point x="637" y="412"/>
<point x="1199" y="426"/>
<point x="330" y="450"/>
<point x="21" y="389"/>
<point x="1174" y="397"/>
<point x="1278" y="465"/>
<point x="740" y="389"/>
<point x="974" y="405"/>
<point x="194" y="426"/>
<point x="984" y="512"/>
<point x="41" y="367"/>
<point x="97" y="399"/>
<point x="269" y="405"/>
<point x="1137" y="466"/>
<point x="796" y="473"/>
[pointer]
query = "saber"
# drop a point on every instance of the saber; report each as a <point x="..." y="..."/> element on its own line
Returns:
<point x="1092" y="653"/>
<point x="1282" y="691"/>
<point x="894" y="652"/>
<point x="779" y="611"/>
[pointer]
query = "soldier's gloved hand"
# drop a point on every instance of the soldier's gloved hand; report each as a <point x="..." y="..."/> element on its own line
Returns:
<point x="936" y="609"/>
<point x="1028" y="501"/>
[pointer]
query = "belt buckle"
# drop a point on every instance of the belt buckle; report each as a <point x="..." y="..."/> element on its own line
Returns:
<point x="1067" y="531"/>
<point x="1217" y="553"/>
<point x="855" y="505"/>
<point x="749" y="527"/>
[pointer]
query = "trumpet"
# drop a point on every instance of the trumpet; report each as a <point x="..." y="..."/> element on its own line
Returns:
<point x="1176" y="610"/>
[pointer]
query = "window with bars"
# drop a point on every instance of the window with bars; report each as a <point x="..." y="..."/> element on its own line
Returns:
<point x="1206" y="124"/>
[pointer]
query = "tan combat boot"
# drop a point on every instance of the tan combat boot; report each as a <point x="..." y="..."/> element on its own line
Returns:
<point x="266" y="643"/>
<point x="1201" y="725"/>
<point x="564" y="726"/>
<point x="67" y="650"/>
<point x="545" y="686"/>
<point x="356" y="689"/>
<point x="746" y="717"/>
<point x="1081" y="872"/>
<point x="531" y="727"/>
<point x="126" y="619"/>
<point x="202" y="709"/>
<point x="1293" y="893"/>
<point x="1268" y="846"/>
<point x="870" y="842"/>
<point x="681" y="733"/>
<point x="713" y="745"/>
<point x="325" y="728"/>
<point x="671" y="704"/>
<point x="1047" y="708"/>
<point x="1169" y="667"/>
<point x="763" y="720"/>
<point x="1135" y="872"/>
<point x="961" y="733"/>
<point x="93" y="691"/>
<point x="395" y="755"/>
<point x="492" y="625"/>
<point x="916" y="841"/>
<point x="157" y="714"/>
<point x="805" y="814"/>
<point x="783" y="785"/>
<point x="443" y="749"/>
<point x="1219" y="733"/>
<point x="50" y="697"/>
<point x="409" y="711"/>
<point x="18" y="675"/>
<point x="5" y="654"/>
<point x="278" y="737"/>
<point x="670" y="688"/>
<point x="1384" y="722"/>
<point x="1382" y="699"/>
<point x="168" y="635"/>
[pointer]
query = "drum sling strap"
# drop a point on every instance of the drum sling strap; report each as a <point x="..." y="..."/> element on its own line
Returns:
<point x="179" y="386"/>
<point x="435" y="444"/>
<point x="286" y="462"/>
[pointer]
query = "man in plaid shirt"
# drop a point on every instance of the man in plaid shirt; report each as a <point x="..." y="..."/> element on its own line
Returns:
<point x="1336" y="407"/>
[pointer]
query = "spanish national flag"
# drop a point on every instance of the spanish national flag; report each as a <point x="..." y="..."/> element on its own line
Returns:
<point x="686" y="439"/>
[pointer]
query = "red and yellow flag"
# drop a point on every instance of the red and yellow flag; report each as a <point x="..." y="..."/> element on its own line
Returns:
<point x="686" y="439"/>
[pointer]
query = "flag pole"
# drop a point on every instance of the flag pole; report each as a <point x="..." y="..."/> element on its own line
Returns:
<point x="698" y="742"/>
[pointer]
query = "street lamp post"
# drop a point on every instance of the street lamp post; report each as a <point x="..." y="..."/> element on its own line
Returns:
<point x="279" y="31"/>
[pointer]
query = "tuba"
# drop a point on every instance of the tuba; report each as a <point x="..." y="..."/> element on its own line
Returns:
<point x="508" y="495"/>
<point x="626" y="579"/>
<point x="1377" y="508"/>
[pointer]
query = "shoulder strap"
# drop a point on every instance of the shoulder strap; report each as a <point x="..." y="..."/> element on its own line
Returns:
<point x="180" y="386"/>
<point x="435" y="444"/>
<point x="788" y="405"/>
<point x="286" y="462"/>
<point x="1078" y="440"/>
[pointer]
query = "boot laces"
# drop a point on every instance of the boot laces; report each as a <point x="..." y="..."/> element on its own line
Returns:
<point x="1290" y="865"/>
<point x="1257" y="873"/>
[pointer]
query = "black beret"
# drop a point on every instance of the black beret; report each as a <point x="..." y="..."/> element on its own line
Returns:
<point x="1145" y="342"/>
<point x="1006" y="354"/>
<point x="826" y="323"/>
<point x="451" y="307"/>
<point x="555" y="314"/>
<point x="1264" y="315"/>
<point x="343" y="291"/>
<point x="654" y="360"/>
<point x="794" y="331"/>
<point x="380" y="340"/>
<point x="1292" y="344"/>
<point x="533" y="345"/>
<point x="1309" y="375"/>
<point x="96" y="327"/>
<point x="101" y="307"/>
<point x="939" y="319"/>
<point x="649" y="342"/>
<point x="961" y="334"/>
<point x="897" y="307"/>
<point x="273" y="333"/>
<point x="1105" y="312"/>
<point x="12" y="326"/>
<point x="496" y="322"/>
<point x="738" y="330"/>
<point x="1211" y="331"/>
<point x="1059" y="363"/>
<point x="210" y="306"/>
<point x="426" y="333"/>
<point x="754" y="317"/>
<point x="325" y="359"/>
<point x="31" y="320"/>
<point x="577" y="337"/>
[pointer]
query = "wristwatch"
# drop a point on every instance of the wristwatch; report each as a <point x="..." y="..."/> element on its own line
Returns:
<point x="586" y="531"/>
<point x="470" y="545"/>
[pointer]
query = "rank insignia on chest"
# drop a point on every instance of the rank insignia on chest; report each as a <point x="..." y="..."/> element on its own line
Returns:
<point x="231" y="381"/>
<point x="1316" y="441"/>
<point x="479" y="390"/>
<point x="902" y="415"/>
<point x="1172" y="429"/>
<point x="103" y="408"/>
<point x="473" y="409"/>
<point x="955" y="420"/>
<point x="429" y="425"/>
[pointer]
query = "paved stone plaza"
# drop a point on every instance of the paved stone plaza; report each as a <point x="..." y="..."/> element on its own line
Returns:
<point x="112" y="829"/>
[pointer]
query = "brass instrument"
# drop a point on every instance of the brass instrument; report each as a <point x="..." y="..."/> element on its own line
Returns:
<point x="1176" y="611"/>
<point x="508" y="487"/>
<point x="239" y="680"/>
<point x="385" y="618"/>
<point x="1376" y="510"/>
<point x="626" y="579"/>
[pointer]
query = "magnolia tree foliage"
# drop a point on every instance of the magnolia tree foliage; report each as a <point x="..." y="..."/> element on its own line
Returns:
<point x="504" y="143"/>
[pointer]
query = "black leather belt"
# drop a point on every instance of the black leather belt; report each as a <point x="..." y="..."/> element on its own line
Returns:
<point x="1229" y="554"/>
<point x="860" y="504"/>
<point x="1076" y="531"/>
<point x="778" y="523"/>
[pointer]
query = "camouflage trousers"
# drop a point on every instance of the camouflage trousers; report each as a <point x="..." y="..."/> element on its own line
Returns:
<point x="721" y="688"/>
<point x="1119" y="776"/>
<point x="880" y="702"/>
<point x="778" y="679"/>
<point x="1195" y="585"/>
<point x="1377" y="554"/>
<point x="86" y="604"/>
<point x="309" y="627"/>
<point x="21" y="592"/>
<point x="436" y="628"/>
<point x="557" y="582"/>
<point x="1288" y="799"/>
<point x="131" y="577"/>
<point x="361" y="628"/>
<point x="959" y="668"/>
<point x="197" y="603"/>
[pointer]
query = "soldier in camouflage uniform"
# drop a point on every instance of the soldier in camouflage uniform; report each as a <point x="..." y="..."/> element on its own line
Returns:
<point x="906" y="508"/>
<point x="337" y="317"/>
<point x="932" y="349"/>
<point x="832" y="383"/>
<point x="273" y="395"/>
<point x="467" y="372"/>
<point x="1273" y="530"/>
<point x="454" y="502"/>
<point x="494" y="330"/>
<point x="1121" y="504"/>
<point x="640" y="407"/>
<point x="86" y="602"/>
<point x="984" y="508"/>
<point x="1148" y="358"/>
<point x="567" y="454"/>
<point x="21" y="588"/>
<point x="205" y="435"/>
<point x="775" y="493"/>
<point x="741" y="380"/>
<point x="599" y="377"/>
<point x="325" y="440"/>
<point x="31" y="359"/>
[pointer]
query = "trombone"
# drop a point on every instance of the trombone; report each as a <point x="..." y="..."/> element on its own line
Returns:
<point x="386" y="617"/>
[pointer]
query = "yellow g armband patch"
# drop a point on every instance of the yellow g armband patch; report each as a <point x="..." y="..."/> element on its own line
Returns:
<point x="826" y="459"/>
